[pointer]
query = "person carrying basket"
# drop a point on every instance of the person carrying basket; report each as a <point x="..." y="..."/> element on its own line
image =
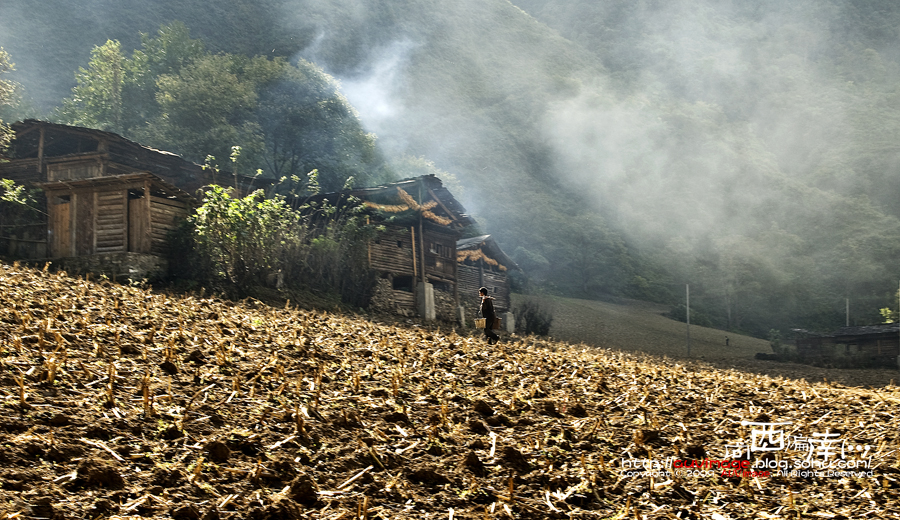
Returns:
<point x="490" y="317"/>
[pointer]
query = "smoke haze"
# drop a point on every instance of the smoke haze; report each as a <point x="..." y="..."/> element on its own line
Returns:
<point x="752" y="144"/>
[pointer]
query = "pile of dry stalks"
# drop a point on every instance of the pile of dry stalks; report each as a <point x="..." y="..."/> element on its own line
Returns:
<point x="124" y="403"/>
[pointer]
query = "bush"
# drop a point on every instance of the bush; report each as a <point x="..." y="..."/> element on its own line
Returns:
<point x="533" y="318"/>
<point x="238" y="243"/>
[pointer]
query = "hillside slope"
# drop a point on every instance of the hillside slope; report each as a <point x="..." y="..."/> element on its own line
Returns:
<point x="746" y="148"/>
<point x="123" y="403"/>
<point x="641" y="327"/>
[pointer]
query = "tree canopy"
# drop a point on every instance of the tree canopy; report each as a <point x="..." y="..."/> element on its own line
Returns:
<point x="288" y="119"/>
<point x="7" y="89"/>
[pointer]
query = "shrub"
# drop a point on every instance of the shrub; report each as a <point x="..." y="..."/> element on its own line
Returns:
<point x="237" y="243"/>
<point x="533" y="318"/>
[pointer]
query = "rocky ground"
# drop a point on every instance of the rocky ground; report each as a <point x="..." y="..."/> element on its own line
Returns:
<point x="118" y="402"/>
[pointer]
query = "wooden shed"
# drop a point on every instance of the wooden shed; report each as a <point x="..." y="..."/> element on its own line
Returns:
<point x="481" y="263"/>
<point x="873" y="345"/>
<point x="109" y="202"/>
<point x="114" y="214"/>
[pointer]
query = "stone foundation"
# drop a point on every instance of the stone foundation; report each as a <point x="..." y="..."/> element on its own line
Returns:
<point x="119" y="267"/>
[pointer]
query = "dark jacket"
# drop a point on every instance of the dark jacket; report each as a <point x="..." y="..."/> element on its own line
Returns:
<point x="487" y="309"/>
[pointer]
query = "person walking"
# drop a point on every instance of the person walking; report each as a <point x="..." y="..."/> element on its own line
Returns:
<point x="487" y="312"/>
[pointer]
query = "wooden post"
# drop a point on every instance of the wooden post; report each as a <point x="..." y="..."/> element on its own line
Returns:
<point x="96" y="200"/>
<point x="481" y="272"/>
<point x="147" y="228"/>
<point x="369" y="247"/>
<point x="73" y="224"/>
<point x="455" y="274"/>
<point x="412" y="233"/>
<point x="125" y="245"/>
<point x="687" y="309"/>
<point x="422" y="248"/>
<point x="422" y="232"/>
<point x="847" y="302"/>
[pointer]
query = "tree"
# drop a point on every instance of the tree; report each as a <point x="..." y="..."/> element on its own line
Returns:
<point x="173" y="94"/>
<point x="96" y="100"/>
<point x="207" y="106"/>
<point x="171" y="50"/>
<point x="7" y="90"/>
<point x="308" y="124"/>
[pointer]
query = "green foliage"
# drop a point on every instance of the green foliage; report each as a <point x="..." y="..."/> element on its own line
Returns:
<point x="173" y="94"/>
<point x="241" y="243"/>
<point x="7" y="91"/>
<point x="308" y="124"/>
<point x="96" y="100"/>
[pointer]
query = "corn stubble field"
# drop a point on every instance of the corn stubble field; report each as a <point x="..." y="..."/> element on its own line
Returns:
<point x="120" y="402"/>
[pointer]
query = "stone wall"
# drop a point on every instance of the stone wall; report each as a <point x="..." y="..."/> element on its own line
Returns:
<point x="116" y="266"/>
<point x="444" y="305"/>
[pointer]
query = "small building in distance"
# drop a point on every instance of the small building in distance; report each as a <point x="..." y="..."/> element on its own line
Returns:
<point x="481" y="263"/>
<point x="866" y="346"/>
<point x="108" y="202"/>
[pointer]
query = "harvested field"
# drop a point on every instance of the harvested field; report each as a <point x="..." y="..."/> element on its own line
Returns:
<point x="123" y="403"/>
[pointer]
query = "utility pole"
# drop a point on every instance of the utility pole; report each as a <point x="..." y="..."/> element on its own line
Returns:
<point x="687" y="309"/>
<point x="847" y="300"/>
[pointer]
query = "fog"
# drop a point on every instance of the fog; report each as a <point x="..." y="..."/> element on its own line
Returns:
<point x="689" y="128"/>
<point x="739" y="134"/>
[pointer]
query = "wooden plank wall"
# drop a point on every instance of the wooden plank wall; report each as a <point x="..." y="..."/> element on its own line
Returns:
<point x="84" y="223"/>
<point x="470" y="282"/>
<point x="164" y="215"/>
<point x="112" y="221"/>
<point x="21" y="171"/>
<point x="498" y="281"/>
<point x="74" y="170"/>
<point x="138" y="236"/>
<point x="386" y="255"/>
<point x="404" y="300"/>
<point x="441" y="262"/>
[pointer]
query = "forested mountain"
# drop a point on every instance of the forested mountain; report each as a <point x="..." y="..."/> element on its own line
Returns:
<point x="614" y="148"/>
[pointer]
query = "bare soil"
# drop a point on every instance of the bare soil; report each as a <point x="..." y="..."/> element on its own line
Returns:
<point x="119" y="402"/>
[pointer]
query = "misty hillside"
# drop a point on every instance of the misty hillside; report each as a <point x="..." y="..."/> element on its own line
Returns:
<point x="623" y="148"/>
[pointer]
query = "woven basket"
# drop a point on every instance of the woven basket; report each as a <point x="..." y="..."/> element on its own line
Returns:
<point x="479" y="323"/>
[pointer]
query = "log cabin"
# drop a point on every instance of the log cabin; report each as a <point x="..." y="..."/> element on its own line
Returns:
<point x="108" y="203"/>
<point x="481" y="263"/>
<point x="414" y="258"/>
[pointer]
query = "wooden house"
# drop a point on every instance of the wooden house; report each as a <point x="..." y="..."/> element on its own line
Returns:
<point x="415" y="256"/>
<point x="874" y="345"/>
<point x="109" y="202"/>
<point x="481" y="263"/>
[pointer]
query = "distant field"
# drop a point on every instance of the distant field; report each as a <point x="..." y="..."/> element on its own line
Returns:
<point x="637" y="326"/>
